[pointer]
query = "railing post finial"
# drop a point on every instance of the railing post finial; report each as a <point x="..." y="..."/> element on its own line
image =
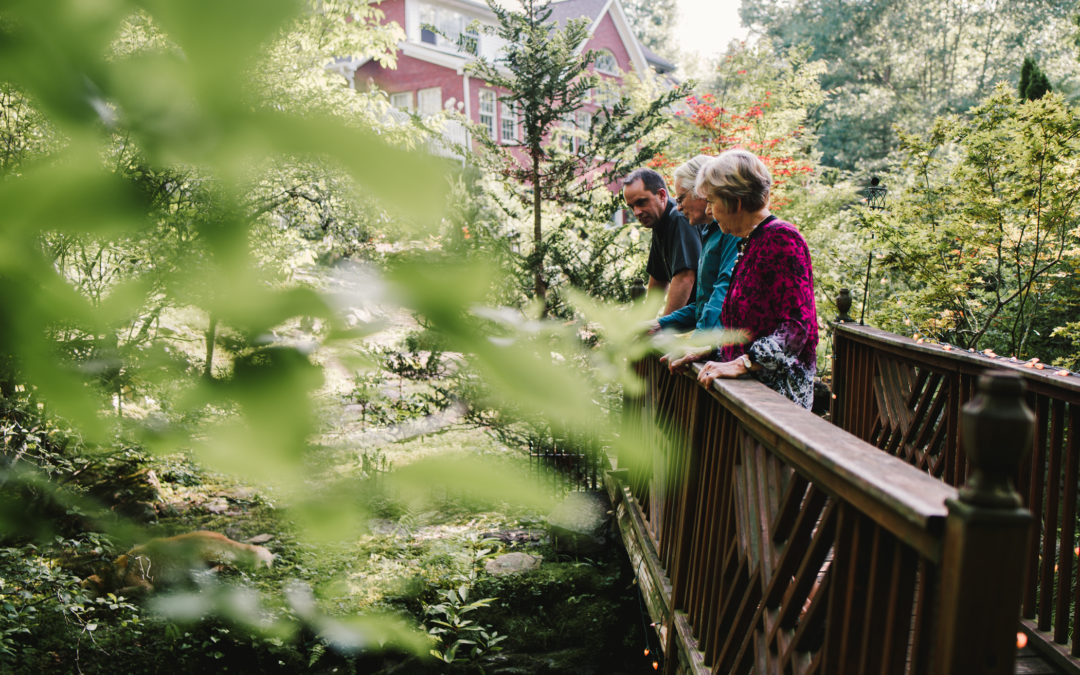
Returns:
<point x="843" y="305"/>
<point x="997" y="426"/>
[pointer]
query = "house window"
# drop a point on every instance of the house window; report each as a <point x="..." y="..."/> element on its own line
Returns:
<point x="606" y="63"/>
<point x="443" y="27"/>
<point x="487" y="111"/>
<point x="604" y="95"/>
<point x="429" y="101"/>
<point x="509" y="123"/>
<point x="402" y="101"/>
<point x="470" y="39"/>
<point x="582" y="120"/>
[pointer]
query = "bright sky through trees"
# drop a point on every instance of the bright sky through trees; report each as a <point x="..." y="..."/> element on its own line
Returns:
<point x="705" y="27"/>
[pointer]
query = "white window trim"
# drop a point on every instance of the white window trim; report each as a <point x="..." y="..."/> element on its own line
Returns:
<point x="492" y="123"/>
<point x="414" y="27"/>
<point x="419" y="101"/>
<point x="410" y="106"/>
<point x="582" y="122"/>
<point x="509" y="114"/>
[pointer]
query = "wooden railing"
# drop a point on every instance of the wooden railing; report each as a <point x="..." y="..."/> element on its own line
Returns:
<point x="905" y="397"/>
<point x="767" y="540"/>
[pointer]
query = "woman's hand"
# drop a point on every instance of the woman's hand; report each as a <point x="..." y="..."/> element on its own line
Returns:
<point x="727" y="370"/>
<point x="678" y="363"/>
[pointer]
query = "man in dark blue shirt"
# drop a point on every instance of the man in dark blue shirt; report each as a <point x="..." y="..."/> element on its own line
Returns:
<point x="676" y="244"/>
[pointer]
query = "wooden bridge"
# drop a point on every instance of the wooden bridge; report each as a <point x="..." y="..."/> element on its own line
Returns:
<point x="888" y="540"/>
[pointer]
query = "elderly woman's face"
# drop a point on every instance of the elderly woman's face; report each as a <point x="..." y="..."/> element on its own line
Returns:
<point x="716" y="209"/>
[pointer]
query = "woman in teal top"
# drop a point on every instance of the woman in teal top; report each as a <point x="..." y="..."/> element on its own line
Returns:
<point x="718" y="253"/>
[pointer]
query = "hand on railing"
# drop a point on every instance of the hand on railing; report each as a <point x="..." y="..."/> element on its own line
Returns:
<point x="727" y="370"/>
<point x="676" y="363"/>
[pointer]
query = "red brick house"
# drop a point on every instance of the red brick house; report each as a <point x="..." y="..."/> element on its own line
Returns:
<point x="430" y="73"/>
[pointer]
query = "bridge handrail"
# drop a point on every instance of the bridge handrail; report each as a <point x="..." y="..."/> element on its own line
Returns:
<point x="904" y="396"/>
<point x="1061" y="382"/>
<point x="789" y="545"/>
<point x="910" y="504"/>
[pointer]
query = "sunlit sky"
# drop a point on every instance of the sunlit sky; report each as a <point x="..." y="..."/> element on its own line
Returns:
<point x="705" y="27"/>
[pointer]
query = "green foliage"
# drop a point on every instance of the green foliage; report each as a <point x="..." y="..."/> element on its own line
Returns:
<point x="1033" y="82"/>
<point x="759" y="100"/>
<point x="38" y="598"/>
<point x="653" y="22"/>
<point x="902" y="64"/>
<point x="461" y="638"/>
<point x="172" y="173"/>
<point x="548" y="80"/>
<point x="980" y="247"/>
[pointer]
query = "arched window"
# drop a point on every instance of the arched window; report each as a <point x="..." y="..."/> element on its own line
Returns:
<point x="606" y="63"/>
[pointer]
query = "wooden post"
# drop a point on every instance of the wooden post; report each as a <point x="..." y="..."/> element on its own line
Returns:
<point x="986" y="536"/>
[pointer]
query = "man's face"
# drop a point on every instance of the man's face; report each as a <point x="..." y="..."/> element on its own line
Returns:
<point x="692" y="206"/>
<point x="647" y="206"/>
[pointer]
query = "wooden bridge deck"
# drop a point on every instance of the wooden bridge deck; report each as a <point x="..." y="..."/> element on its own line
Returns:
<point x="1030" y="662"/>
<point x="768" y="540"/>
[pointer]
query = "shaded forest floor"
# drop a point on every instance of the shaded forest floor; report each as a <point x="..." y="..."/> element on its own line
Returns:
<point x="421" y="557"/>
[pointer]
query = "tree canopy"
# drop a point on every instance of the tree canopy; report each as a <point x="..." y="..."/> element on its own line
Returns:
<point x="901" y="64"/>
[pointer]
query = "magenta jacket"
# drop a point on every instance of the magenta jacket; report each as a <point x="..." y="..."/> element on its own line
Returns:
<point x="772" y="298"/>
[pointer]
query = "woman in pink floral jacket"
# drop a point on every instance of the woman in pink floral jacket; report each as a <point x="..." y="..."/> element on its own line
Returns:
<point x="771" y="297"/>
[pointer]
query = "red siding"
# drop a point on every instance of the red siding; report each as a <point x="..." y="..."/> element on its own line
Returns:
<point x="607" y="37"/>
<point x="394" y="11"/>
<point x="411" y="75"/>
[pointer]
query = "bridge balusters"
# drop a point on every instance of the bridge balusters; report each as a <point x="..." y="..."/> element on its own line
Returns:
<point x="986" y="521"/>
<point x="917" y="419"/>
<point x="792" y="547"/>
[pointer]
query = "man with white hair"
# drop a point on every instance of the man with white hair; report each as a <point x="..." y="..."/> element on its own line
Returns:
<point x="718" y="253"/>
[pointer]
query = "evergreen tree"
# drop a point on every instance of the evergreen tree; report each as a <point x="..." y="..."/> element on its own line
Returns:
<point x="1025" y="76"/>
<point x="1033" y="81"/>
<point x="1039" y="87"/>
<point x="548" y="80"/>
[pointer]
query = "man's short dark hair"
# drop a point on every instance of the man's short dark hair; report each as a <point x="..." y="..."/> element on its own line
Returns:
<point x="652" y="181"/>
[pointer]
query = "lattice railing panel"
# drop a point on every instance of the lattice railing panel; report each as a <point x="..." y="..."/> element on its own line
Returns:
<point x="761" y="544"/>
<point x="905" y="398"/>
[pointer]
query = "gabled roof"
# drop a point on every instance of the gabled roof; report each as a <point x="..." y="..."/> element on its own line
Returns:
<point x="594" y="10"/>
<point x="564" y="10"/>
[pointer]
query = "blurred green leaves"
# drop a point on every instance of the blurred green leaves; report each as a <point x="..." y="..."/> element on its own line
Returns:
<point x="163" y="180"/>
<point x="185" y="106"/>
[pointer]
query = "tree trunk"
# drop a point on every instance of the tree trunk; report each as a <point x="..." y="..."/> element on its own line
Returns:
<point x="211" y="337"/>
<point x="538" y="253"/>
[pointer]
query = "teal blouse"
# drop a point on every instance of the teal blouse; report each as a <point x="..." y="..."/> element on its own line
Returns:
<point x="718" y="253"/>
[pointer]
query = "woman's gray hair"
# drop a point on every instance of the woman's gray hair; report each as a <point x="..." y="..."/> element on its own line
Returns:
<point x="687" y="173"/>
<point x="736" y="178"/>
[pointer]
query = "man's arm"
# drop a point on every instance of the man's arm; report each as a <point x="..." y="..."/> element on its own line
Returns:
<point x="678" y="294"/>
<point x="656" y="285"/>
